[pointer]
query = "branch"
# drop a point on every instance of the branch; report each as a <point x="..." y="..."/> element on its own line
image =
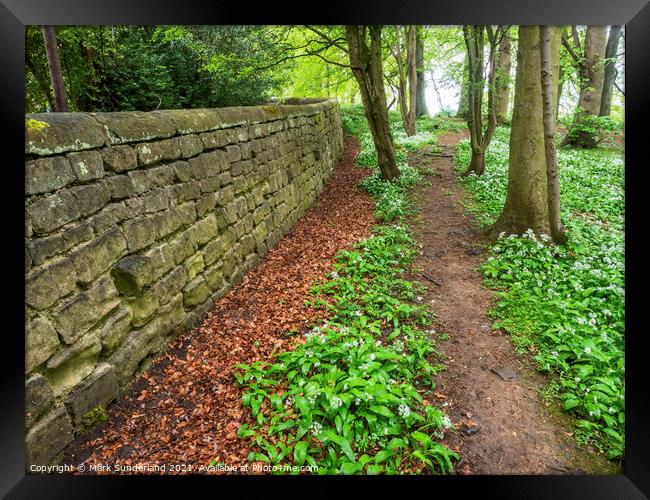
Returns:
<point x="567" y="46"/>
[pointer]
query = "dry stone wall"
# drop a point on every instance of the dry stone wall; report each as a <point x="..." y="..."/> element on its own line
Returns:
<point x="135" y="223"/>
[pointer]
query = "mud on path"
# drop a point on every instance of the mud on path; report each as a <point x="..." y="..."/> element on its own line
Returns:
<point x="491" y="393"/>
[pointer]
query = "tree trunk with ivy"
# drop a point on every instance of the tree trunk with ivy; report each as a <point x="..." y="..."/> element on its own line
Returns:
<point x="549" y="53"/>
<point x="526" y="205"/>
<point x="591" y="75"/>
<point x="366" y="63"/>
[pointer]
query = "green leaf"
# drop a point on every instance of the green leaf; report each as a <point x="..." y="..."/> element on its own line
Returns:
<point x="300" y="452"/>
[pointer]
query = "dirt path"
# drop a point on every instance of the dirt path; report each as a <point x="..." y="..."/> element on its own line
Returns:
<point x="492" y="396"/>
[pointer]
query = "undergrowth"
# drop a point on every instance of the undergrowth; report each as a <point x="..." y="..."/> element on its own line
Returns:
<point x="565" y="304"/>
<point x="348" y="399"/>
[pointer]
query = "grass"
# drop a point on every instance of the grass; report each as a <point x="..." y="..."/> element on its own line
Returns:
<point x="565" y="304"/>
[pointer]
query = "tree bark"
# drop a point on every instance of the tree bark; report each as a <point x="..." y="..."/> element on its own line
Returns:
<point x="480" y="140"/>
<point x="549" y="53"/>
<point x="54" y="65"/>
<point x="610" y="69"/>
<point x="504" y="63"/>
<point x="366" y="66"/>
<point x="591" y="88"/>
<point x="463" y="102"/>
<point x="421" y="102"/>
<point x="407" y="76"/>
<point x="526" y="205"/>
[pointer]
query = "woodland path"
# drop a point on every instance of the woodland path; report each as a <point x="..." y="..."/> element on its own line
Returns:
<point x="492" y="394"/>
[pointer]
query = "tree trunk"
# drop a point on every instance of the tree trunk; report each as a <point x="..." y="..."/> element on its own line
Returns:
<point x="558" y="94"/>
<point x="504" y="63"/>
<point x="526" y="205"/>
<point x="54" y="65"/>
<point x="366" y="67"/>
<point x="610" y="69"/>
<point x="548" y="55"/>
<point x="480" y="140"/>
<point x="474" y="42"/>
<point x="591" y="88"/>
<point x="463" y="102"/>
<point x="407" y="76"/>
<point x="421" y="102"/>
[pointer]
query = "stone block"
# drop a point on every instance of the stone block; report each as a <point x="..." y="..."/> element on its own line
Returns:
<point x="54" y="133"/>
<point x="195" y="292"/>
<point x="154" y="152"/>
<point x="139" y="233"/>
<point x="234" y="153"/>
<point x="139" y="343"/>
<point x="45" y="175"/>
<point x="170" y="284"/>
<point x="98" y="389"/>
<point x="143" y="307"/>
<point x="98" y="255"/>
<point x="44" y="287"/>
<point x="194" y="265"/>
<point x="119" y="158"/>
<point x="87" y="165"/>
<point x="48" y="437"/>
<point x="77" y="316"/>
<point x="115" y="329"/>
<point x="156" y="201"/>
<point x="91" y="198"/>
<point x="214" y="277"/>
<point x="41" y="342"/>
<point x="38" y="398"/>
<point x="187" y="191"/>
<point x="205" y="229"/>
<point x="183" y="245"/>
<point x="51" y="212"/>
<point x="161" y="258"/>
<point x="135" y="126"/>
<point x="132" y="273"/>
<point x="212" y="251"/>
<point x="70" y="366"/>
<point x="143" y="180"/>
<point x="190" y="145"/>
<point x="206" y="204"/>
<point x="120" y="187"/>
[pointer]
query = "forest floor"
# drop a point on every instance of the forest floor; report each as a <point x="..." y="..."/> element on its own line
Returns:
<point x="184" y="411"/>
<point x="492" y="394"/>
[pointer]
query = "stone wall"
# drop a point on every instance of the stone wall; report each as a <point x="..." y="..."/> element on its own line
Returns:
<point x="135" y="223"/>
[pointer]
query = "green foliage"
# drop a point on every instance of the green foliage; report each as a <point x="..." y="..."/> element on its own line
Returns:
<point x="391" y="197"/>
<point x="565" y="304"/>
<point x="122" y="68"/>
<point x="347" y="399"/>
<point x="93" y="417"/>
<point x="590" y="130"/>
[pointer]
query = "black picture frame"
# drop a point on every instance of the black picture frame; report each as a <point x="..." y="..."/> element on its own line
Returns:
<point x="634" y="14"/>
